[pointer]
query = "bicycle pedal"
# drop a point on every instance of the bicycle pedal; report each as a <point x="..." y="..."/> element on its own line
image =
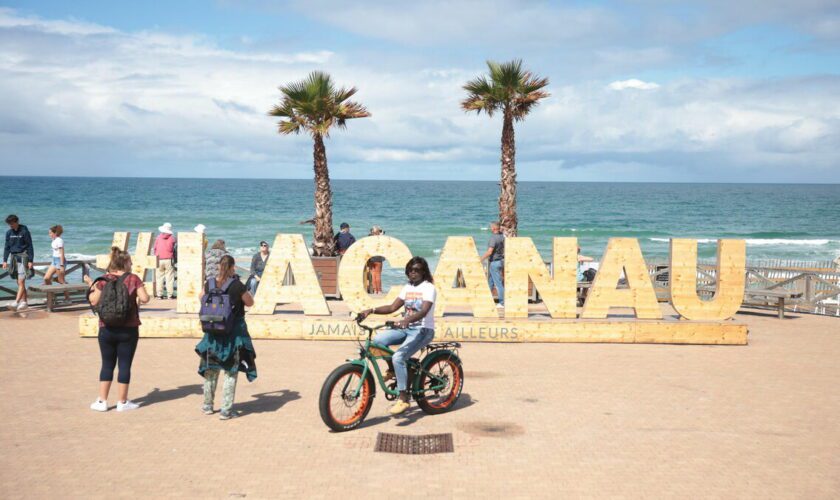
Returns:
<point x="392" y="387"/>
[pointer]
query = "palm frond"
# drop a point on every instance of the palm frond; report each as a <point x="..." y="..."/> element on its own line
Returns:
<point x="315" y="105"/>
<point x="507" y="86"/>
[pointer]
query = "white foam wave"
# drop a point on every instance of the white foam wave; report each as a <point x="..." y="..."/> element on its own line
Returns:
<point x="242" y="251"/>
<point x="79" y="256"/>
<point x="760" y="241"/>
<point x="788" y="242"/>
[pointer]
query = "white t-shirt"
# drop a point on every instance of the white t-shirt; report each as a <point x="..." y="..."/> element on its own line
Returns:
<point x="414" y="296"/>
<point x="57" y="244"/>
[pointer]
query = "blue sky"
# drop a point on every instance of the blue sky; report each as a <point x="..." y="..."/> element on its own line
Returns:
<point x="714" y="91"/>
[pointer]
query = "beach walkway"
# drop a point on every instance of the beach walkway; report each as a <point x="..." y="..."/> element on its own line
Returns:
<point x="541" y="420"/>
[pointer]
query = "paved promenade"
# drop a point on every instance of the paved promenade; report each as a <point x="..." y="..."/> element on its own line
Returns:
<point x="535" y="420"/>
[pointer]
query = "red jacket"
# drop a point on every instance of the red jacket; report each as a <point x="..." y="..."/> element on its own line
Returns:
<point x="164" y="246"/>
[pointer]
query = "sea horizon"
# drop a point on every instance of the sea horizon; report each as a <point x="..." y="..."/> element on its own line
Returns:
<point x="332" y="178"/>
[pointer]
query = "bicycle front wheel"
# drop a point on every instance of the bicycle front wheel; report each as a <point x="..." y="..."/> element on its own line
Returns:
<point x="340" y="408"/>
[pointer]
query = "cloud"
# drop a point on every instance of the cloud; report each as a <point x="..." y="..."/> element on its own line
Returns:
<point x="633" y="84"/>
<point x="83" y="98"/>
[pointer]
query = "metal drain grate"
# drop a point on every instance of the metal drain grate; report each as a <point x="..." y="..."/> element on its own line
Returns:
<point x="414" y="445"/>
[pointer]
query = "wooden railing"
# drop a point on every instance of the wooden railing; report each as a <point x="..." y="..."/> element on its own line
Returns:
<point x="817" y="281"/>
<point x="74" y="268"/>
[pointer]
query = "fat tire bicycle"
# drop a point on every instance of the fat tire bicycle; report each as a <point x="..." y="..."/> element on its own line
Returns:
<point x="435" y="381"/>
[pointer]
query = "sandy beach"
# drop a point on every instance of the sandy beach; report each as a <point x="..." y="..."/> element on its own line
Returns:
<point x="534" y="420"/>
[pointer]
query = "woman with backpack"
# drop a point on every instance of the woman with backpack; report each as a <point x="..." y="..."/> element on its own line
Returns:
<point x="226" y="346"/>
<point x="115" y="297"/>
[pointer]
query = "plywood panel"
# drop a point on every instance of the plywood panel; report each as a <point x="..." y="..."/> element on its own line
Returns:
<point x="523" y="261"/>
<point x="120" y="241"/>
<point x="141" y="261"/>
<point x="289" y="252"/>
<point x="519" y="330"/>
<point x="622" y="254"/>
<point x="351" y="273"/>
<point x="190" y="271"/>
<point x="460" y="254"/>
<point x="729" y="289"/>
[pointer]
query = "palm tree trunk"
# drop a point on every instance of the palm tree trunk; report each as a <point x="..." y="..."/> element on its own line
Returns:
<point x="507" y="195"/>
<point x="323" y="233"/>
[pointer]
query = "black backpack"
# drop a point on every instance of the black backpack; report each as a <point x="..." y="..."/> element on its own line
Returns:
<point x="114" y="307"/>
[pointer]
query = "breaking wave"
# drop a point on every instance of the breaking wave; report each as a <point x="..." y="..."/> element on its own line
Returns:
<point x="761" y="241"/>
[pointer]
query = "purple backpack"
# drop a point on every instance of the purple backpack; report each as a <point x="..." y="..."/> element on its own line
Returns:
<point x="216" y="312"/>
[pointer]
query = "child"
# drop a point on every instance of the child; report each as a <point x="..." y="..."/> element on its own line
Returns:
<point x="59" y="260"/>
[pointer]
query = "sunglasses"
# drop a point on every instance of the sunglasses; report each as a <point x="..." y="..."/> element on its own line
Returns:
<point x="263" y="245"/>
<point x="415" y="270"/>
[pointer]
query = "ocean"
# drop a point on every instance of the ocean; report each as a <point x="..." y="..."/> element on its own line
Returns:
<point x="798" y="222"/>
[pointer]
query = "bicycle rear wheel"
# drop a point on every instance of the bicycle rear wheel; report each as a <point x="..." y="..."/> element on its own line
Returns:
<point x="340" y="409"/>
<point x="445" y="374"/>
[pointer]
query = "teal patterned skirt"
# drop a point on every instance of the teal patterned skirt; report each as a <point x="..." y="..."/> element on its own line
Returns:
<point x="217" y="352"/>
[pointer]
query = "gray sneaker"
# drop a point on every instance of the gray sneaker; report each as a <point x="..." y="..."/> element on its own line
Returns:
<point x="207" y="409"/>
<point x="227" y="414"/>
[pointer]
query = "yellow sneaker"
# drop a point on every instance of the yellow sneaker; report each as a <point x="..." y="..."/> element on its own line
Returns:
<point x="389" y="375"/>
<point x="399" y="407"/>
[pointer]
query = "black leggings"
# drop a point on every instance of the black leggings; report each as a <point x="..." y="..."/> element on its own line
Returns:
<point x="117" y="343"/>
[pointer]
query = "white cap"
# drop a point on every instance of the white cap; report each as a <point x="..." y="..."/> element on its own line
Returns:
<point x="165" y="228"/>
<point x="200" y="229"/>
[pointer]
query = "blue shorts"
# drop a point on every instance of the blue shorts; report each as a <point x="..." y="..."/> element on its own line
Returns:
<point x="56" y="262"/>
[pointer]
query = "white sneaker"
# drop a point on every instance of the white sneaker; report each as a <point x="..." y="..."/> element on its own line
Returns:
<point x="128" y="405"/>
<point x="13" y="305"/>
<point x="99" y="405"/>
<point x="22" y="306"/>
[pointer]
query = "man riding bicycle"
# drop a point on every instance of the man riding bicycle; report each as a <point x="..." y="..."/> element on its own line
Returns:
<point x="414" y="331"/>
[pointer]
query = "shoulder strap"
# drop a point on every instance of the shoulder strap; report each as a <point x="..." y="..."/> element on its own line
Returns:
<point x="228" y="282"/>
<point x="211" y="284"/>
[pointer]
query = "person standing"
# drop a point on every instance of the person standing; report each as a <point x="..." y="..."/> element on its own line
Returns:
<point x="496" y="263"/>
<point x="343" y="239"/>
<point x="257" y="268"/>
<point x="117" y="344"/>
<point x="18" y="255"/>
<point x="375" y="264"/>
<point x="231" y="352"/>
<point x="164" y="249"/>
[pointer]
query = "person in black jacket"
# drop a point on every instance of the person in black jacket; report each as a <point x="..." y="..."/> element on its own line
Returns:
<point x="18" y="255"/>
<point x="257" y="268"/>
<point x="343" y="239"/>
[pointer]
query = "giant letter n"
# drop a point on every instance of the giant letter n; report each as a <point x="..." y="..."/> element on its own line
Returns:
<point x="523" y="262"/>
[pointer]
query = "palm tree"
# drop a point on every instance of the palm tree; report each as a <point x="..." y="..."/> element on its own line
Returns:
<point x="513" y="91"/>
<point x="314" y="105"/>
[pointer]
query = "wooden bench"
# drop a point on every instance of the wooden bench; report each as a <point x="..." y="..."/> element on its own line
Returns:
<point x="780" y="294"/>
<point x="52" y="290"/>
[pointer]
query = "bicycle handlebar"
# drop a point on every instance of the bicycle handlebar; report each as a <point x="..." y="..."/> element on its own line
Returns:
<point x="388" y="324"/>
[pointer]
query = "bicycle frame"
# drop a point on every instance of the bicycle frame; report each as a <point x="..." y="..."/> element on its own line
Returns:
<point x="368" y="357"/>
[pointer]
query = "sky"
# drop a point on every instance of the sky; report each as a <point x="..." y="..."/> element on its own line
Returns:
<point x="641" y="91"/>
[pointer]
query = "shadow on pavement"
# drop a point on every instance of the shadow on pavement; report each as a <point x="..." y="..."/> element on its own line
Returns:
<point x="267" y="402"/>
<point x="414" y="413"/>
<point x="159" y="396"/>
